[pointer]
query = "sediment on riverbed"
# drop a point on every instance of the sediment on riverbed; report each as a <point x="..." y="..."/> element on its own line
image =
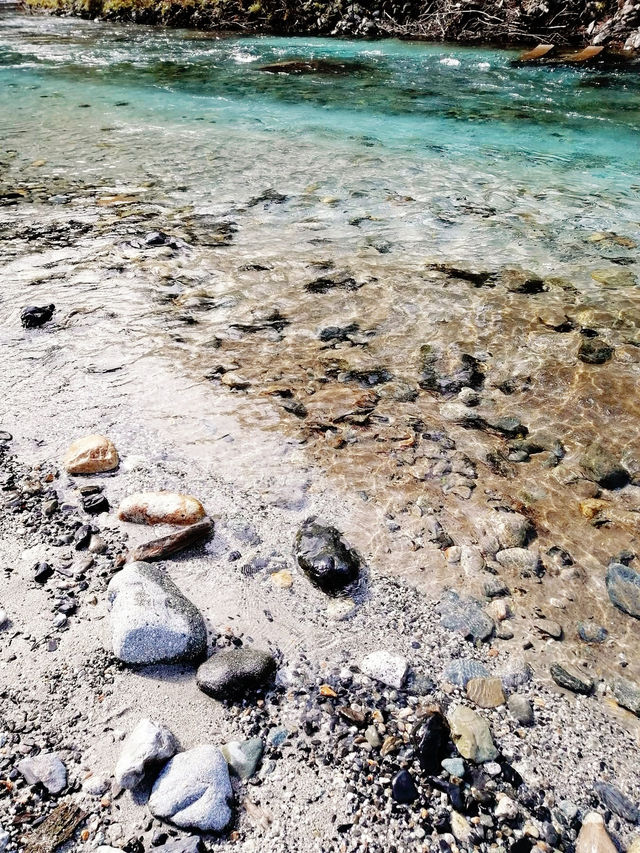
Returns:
<point x="612" y="22"/>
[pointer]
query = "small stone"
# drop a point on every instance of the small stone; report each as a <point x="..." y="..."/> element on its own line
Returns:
<point x="516" y="673"/>
<point x="96" y="786"/>
<point x="372" y="736"/>
<point x="616" y="801"/>
<point x="571" y="678"/>
<point x="591" y="632"/>
<point x="403" y="788"/>
<point x="97" y="545"/>
<point x="194" y="790"/>
<point x="627" y="694"/>
<point x="45" y="768"/>
<point x="462" y="670"/>
<point x="495" y="588"/>
<point x="521" y="709"/>
<point x="42" y="572"/>
<point x="460" y="827"/>
<point x="511" y="529"/>
<point x="4" y="619"/>
<point x="471" y="735"/>
<point x="385" y="667"/>
<point x="623" y="586"/>
<point x="549" y="628"/>
<point x="430" y="739"/>
<point x="32" y="316"/>
<point x="151" y="620"/>
<point x="594" y="351"/>
<point x="486" y="692"/>
<point x="190" y="844"/>
<point x="325" y="558"/>
<point x="95" y="504"/>
<point x="340" y="609"/>
<point x="233" y="674"/>
<point x="148" y="746"/>
<point x="161" y="508"/>
<point x="471" y="560"/>
<point x="282" y="579"/>
<point x="454" y="767"/>
<point x="506" y="808"/>
<point x="602" y="467"/>
<point x="92" y="454"/>
<point x="593" y="837"/>
<point x="464" y="614"/>
<point x="243" y="757"/>
<point x="519" y="560"/>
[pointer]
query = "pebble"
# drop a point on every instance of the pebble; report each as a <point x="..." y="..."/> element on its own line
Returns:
<point x="190" y="844"/>
<point x="340" y="609"/>
<point x="549" y="628"/>
<point x="627" y="694"/>
<point x="161" y="508"/>
<point x="325" y="558"/>
<point x="511" y="529"/>
<point x="91" y="454"/>
<point x="403" y="788"/>
<point x="462" y="670"/>
<point x="460" y="827"/>
<point x="519" y="560"/>
<point x="148" y="744"/>
<point x="194" y="791"/>
<point x="151" y="620"/>
<point x="591" y="632"/>
<point x="506" y="808"/>
<point x="33" y="316"/>
<point x="486" y="692"/>
<point x="454" y="766"/>
<point x="464" y="614"/>
<point x="571" y="678"/>
<point x="593" y="837"/>
<point x="4" y="619"/>
<point x="235" y="673"/>
<point x="471" y="735"/>
<point x="243" y="757"/>
<point x="45" y="768"/>
<point x="521" y="709"/>
<point x="385" y="667"/>
<point x="601" y="466"/>
<point x="430" y="738"/>
<point x="623" y="586"/>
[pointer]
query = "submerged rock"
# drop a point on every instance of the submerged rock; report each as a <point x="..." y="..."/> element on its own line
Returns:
<point x="161" y="508"/>
<point x="601" y="466"/>
<point x="471" y="735"/>
<point x="235" y="673"/>
<point x="448" y="372"/>
<point x="194" y="790"/>
<point x="158" y="549"/>
<point x="147" y="746"/>
<point x="571" y="678"/>
<point x="591" y="632"/>
<point x="594" y="351"/>
<point x="92" y="454"/>
<point x="520" y="560"/>
<point x="623" y="586"/>
<point x="314" y="66"/>
<point x="151" y="620"/>
<point x="464" y="614"/>
<point x="32" y="316"/>
<point x="46" y="768"/>
<point x="325" y="558"/>
<point x="593" y="837"/>
<point x="385" y="667"/>
<point x="511" y="529"/>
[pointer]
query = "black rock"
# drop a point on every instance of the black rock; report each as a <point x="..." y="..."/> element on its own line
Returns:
<point x="82" y="536"/>
<point x="403" y="788"/>
<point x="42" y="572"/>
<point x="94" y="504"/>
<point x="594" y="351"/>
<point x="325" y="558"/>
<point x="571" y="678"/>
<point x="234" y="674"/>
<point x="33" y="316"/>
<point x="157" y="238"/>
<point x="5" y="436"/>
<point x="615" y="800"/>
<point x="430" y="737"/>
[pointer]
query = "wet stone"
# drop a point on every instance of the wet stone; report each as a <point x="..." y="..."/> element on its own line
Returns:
<point x="602" y="467"/>
<point x="325" y="558"/>
<point x="461" y="671"/>
<point x="464" y="614"/>
<point x="571" y="678"/>
<point x="616" y="801"/>
<point x="594" y="351"/>
<point x="495" y="588"/>
<point x="32" y="316"/>
<point x="234" y="674"/>
<point x="591" y="632"/>
<point x="403" y="788"/>
<point x="623" y="586"/>
<point x="486" y="692"/>
<point x="430" y="738"/>
<point x="520" y="560"/>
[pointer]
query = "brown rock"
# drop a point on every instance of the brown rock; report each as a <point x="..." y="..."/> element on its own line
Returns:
<point x="593" y="837"/>
<point x="486" y="692"/>
<point x="91" y="454"/>
<point x="161" y="508"/>
<point x="158" y="549"/>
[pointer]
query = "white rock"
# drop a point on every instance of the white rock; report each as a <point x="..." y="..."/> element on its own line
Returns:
<point x="46" y="768"/>
<point x="96" y="785"/>
<point x="3" y="617"/>
<point x="151" y="620"/>
<point x="506" y="808"/>
<point x="471" y="559"/>
<point x="148" y="744"/>
<point x="593" y="837"/>
<point x="194" y="790"/>
<point x="91" y="454"/>
<point x="385" y="667"/>
<point x="340" y="609"/>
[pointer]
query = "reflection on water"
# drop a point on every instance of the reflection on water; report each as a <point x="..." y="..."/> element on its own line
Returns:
<point x="342" y="254"/>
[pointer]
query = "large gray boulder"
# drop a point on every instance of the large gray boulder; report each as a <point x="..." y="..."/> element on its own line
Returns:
<point x="194" y="791"/>
<point x="151" y="620"/>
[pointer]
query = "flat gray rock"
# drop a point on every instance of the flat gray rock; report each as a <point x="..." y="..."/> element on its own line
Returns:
<point x="45" y="768"/>
<point x="519" y="560"/>
<point x="194" y="791"/>
<point x="464" y="614"/>
<point x="151" y="620"/>
<point x="623" y="586"/>
<point x="461" y="671"/>
<point x="235" y="673"/>
<point x="147" y="746"/>
<point x="618" y="802"/>
<point x="627" y="694"/>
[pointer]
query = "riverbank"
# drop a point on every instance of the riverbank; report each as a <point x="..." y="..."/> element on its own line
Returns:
<point x="567" y="22"/>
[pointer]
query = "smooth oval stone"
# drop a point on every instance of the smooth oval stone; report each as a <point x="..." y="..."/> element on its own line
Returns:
<point x="161" y="508"/>
<point x="571" y="678"/>
<point x="601" y="466"/>
<point x="486" y="692"/>
<point x="92" y="454"/>
<point x="623" y="586"/>
<point x="235" y="673"/>
<point x="471" y="735"/>
<point x="194" y="790"/>
<point x="593" y="837"/>
<point x="591" y="632"/>
<point x="403" y="788"/>
<point x="519" y="560"/>
<point x="461" y="671"/>
<point x="151" y="620"/>
<point x="325" y="558"/>
<point x="46" y="768"/>
<point x="615" y="800"/>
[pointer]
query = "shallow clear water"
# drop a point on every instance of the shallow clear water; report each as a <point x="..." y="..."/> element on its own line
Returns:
<point x="416" y="155"/>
